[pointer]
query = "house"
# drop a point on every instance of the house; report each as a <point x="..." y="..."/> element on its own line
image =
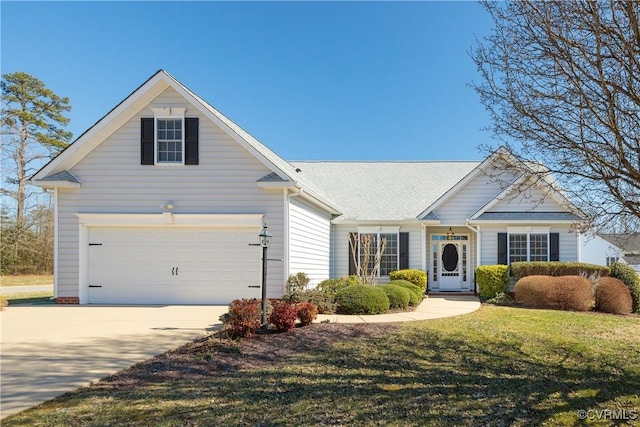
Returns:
<point x="162" y="200"/>
<point x="605" y="249"/>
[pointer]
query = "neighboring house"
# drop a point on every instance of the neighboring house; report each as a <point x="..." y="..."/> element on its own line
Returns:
<point x="609" y="248"/>
<point x="162" y="200"/>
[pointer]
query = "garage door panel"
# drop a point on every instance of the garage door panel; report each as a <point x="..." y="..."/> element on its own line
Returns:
<point x="170" y="265"/>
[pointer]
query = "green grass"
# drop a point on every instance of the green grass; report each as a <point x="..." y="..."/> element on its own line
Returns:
<point x="26" y="280"/>
<point x="30" y="298"/>
<point x="497" y="366"/>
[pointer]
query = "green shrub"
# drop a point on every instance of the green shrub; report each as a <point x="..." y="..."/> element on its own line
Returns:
<point x="501" y="299"/>
<point x="331" y="286"/>
<point x="417" y="277"/>
<point x="557" y="268"/>
<point x="325" y="302"/>
<point x="613" y="296"/>
<point x="564" y="293"/>
<point x="415" y="295"/>
<point x="398" y="296"/>
<point x="362" y="299"/>
<point x="631" y="279"/>
<point x="492" y="280"/>
<point x="297" y="282"/>
<point x="307" y="312"/>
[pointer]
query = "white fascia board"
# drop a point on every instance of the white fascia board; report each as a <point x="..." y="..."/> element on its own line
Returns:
<point x="54" y="184"/>
<point x="351" y="221"/>
<point x="95" y="135"/>
<point x="170" y="219"/>
<point x="276" y="185"/>
<point x="519" y="221"/>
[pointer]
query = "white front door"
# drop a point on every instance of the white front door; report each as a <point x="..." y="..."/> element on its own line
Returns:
<point x="450" y="273"/>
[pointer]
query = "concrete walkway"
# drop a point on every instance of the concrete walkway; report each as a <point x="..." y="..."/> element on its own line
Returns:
<point x="430" y="308"/>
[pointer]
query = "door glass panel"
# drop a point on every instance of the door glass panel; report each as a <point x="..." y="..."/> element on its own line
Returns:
<point x="450" y="257"/>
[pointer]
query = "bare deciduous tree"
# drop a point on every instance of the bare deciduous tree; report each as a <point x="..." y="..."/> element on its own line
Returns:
<point x="561" y="81"/>
<point x="366" y="253"/>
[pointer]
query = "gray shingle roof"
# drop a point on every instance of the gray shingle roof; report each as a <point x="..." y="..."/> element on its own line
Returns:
<point x="529" y="216"/>
<point x="61" y="176"/>
<point x="384" y="191"/>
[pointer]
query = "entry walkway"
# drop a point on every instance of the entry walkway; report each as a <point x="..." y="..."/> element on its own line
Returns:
<point x="430" y="308"/>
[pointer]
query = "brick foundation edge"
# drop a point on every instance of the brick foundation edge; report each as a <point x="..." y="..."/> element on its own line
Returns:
<point x="67" y="300"/>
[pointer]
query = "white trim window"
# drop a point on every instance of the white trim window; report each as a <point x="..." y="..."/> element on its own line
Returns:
<point x="169" y="136"/>
<point x="528" y="247"/>
<point x="390" y="256"/>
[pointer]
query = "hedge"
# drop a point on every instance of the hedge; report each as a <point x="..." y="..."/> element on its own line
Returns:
<point x="362" y="299"/>
<point x="631" y="279"/>
<point x="416" y="295"/>
<point x="557" y="268"/>
<point x="612" y="296"/>
<point x="398" y="296"/>
<point x="492" y="280"/>
<point x="417" y="277"/>
<point x="564" y="292"/>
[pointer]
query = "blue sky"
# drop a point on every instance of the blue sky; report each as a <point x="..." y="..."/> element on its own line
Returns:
<point x="311" y="80"/>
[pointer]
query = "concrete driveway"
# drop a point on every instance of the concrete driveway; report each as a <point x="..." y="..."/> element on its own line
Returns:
<point x="48" y="350"/>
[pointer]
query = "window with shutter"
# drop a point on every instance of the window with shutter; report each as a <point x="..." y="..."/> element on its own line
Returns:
<point x="169" y="138"/>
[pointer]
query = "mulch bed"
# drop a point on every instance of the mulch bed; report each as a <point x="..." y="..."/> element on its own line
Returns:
<point x="210" y="355"/>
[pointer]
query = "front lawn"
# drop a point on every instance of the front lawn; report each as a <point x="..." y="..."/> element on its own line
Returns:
<point x="497" y="366"/>
<point x="26" y="280"/>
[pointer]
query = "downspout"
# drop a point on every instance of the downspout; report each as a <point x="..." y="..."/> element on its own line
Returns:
<point x="55" y="244"/>
<point x="478" y="252"/>
<point x="287" y="244"/>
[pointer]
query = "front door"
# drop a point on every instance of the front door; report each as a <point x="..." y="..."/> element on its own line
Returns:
<point x="450" y="271"/>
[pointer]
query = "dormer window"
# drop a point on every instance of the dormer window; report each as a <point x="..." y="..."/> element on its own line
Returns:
<point x="169" y="138"/>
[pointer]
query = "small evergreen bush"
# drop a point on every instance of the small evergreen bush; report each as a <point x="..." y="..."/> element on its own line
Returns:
<point x="501" y="299"/>
<point x="331" y="286"/>
<point x="492" y="280"/>
<point x="398" y="296"/>
<point x="297" y="282"/>
<point x="631" y="279"/>
<point x="307" y="312"/>
<point x="362" y="299"/>
<point x="417" y="277"/>
<point x="283" y="316"/>
<point x="416" y="293"/>
<point x="324" y="302"/>
<point x="612" y="296"/>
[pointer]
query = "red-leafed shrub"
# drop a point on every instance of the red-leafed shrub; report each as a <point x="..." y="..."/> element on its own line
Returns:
<point x="243" y="317"/>
<point x="284" y="315"/>
<point x="612" y="296"/>
<point x="307" y="312"/>
<point x="563" y="293"/>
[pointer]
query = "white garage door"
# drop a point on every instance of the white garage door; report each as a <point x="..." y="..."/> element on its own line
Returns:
<point x="169" y="265"/>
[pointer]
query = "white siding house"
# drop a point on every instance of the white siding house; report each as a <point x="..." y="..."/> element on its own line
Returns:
<point x="162" y="200"/>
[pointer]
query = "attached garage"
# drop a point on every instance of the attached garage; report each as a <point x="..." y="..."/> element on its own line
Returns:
<point x="171" y="264"/>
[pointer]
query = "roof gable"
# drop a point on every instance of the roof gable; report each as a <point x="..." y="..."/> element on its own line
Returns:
<point x="138" y="100"/>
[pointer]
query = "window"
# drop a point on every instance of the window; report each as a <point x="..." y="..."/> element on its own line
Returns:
<point x="389" y="260"/>
<point x="612" y="260"/>
<point x="370" y="245"/>
<point x="528" y="247"/>
<point x="169" y="140"/>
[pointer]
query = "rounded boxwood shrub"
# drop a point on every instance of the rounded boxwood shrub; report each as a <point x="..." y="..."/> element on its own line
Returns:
<point x="324" y="302"/>
<point x="417" y="277"/>
<point x="631" y="279"/>
<point x="398" y="296"/>
<point x="564" y="293"/>
<point x="416" y="293"/>
<point x="331" y="286"/>
<point x="612" y="296"/>
<point x="492" y="280"/>
<point x="362" y="299"/>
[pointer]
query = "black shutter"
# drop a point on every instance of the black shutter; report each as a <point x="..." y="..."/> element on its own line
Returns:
<point x="191" y="141"/>
<point x="502" y="248"/>
<point x="146" y="141"/>
<point x="353" y="238"/>
<point x="554" y="246"/>
<point x="404" y="251"/>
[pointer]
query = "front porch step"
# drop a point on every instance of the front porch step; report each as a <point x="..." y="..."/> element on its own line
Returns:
<point x="450" y="294"/>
